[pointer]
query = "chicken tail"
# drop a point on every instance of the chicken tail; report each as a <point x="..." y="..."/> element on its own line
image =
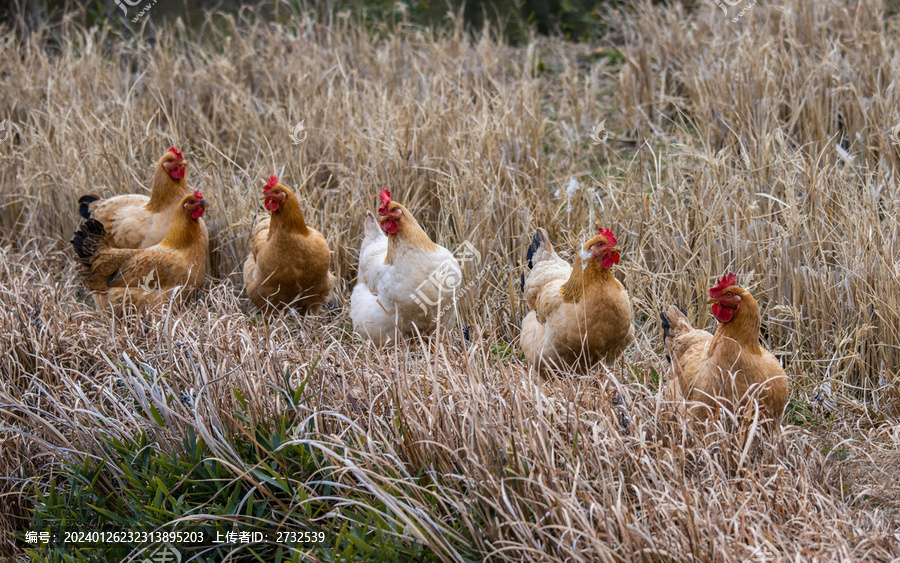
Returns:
<point x="371" y="227"/>
<point x="371" y="231"/>
<point x="84" y="205"/>
<point x="674" y="323"/>
<point x="539" y="240"/>
<point x="88" y="241"/>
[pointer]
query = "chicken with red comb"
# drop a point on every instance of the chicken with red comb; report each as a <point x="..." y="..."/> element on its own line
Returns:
<point x="121" y="278"/>
<point x="578" y="315"/>
<point x="289" y="261"/>
<point x="139" y="221"/>
<point x="406" y="284"/>
<point x="388" y="225"/>
<point x="723" y="309"/>
<point x="177" y="170"/>
<point x="728" y="369"/>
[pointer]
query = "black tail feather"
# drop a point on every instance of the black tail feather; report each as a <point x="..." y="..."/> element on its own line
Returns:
<point x="532" y="248"/>
<point x="666" y="326"/>
<point x="87" y="240"/>
<point x="84" y="203"/>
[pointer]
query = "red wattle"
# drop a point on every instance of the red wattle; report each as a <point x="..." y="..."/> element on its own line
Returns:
<point x="271" y="205"/>
<point x="390" y="227"/>
<point x="198" y="212"/>
<point x="607" y="261"/>
<point x="722" y="314"/>
<point x="177" y="173"/>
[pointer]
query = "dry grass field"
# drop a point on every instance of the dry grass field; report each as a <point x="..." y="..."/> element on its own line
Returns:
<point x="762" y="145"/>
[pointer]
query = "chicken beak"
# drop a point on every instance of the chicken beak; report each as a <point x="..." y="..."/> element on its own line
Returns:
<point x="712" y="300"/>
<point x="263" y="197"/>
<point x="203" y="203"/>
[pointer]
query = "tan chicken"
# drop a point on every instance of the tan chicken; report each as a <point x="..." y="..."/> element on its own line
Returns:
<point x="729" y="368"/>
<point x="406" y="283"/>
<point x="579" y="315"/>
<point x="288" y="263"/>
<point x="122" y="278"/>
<point x="138" y="221"/>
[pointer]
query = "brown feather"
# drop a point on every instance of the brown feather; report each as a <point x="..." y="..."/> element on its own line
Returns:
<point x="590" y="277"/>
<point x="165" y="191"/>
<point x="744" y="327"/>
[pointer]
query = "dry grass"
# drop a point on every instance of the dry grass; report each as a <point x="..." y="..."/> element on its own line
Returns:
<point x="760" y="146"/>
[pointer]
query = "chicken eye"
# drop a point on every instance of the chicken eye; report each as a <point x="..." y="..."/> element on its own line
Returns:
<point x="729" y="294"/>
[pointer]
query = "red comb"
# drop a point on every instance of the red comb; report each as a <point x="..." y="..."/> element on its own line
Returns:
<point x="198" y="195"/>
<point x="385" y="196"/>
<point x="176" y="152"/>
<point x="271" y="183"/>
<point x="727" y="280"/>
<point x="610" y="237"/>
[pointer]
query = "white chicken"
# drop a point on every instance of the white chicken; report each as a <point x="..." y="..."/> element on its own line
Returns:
<point x="406" y="283"/>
